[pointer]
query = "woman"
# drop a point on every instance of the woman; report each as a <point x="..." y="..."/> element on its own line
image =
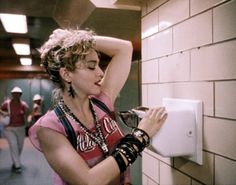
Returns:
<point x="102" y="154"/>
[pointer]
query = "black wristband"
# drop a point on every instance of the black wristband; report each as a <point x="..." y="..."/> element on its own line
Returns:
<point x="129" y="152"/>
<point x="134" y="141"/>
<point x="137" y="132"/>
<point x="120" y="161"/>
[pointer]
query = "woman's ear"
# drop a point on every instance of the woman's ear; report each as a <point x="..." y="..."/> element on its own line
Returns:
<point x="65" y="74"/>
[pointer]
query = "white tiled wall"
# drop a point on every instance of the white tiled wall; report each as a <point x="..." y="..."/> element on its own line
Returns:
<point x="150" y="71"/>
<point x="226" y="129"/>
<point x="214" y="62"/>
<point x="150" y="24"/>
<point x="204" y="173"/>
<point x="193" y="32"/>
<point x="175" y="67"/>
<point x="150" y="167"/>
<point x="225" y="99"/>
<point x="189" y="51"/>
<point x="224" y="21"/>
<point x="169" y="16"/>
<point x="224" y="171"/>
<point x="159" y="44"/>
<point x="153" y="4"/>
<point x="198" y="6"/>
<point x="197" y="90"/>
<point x="169" y="175"/>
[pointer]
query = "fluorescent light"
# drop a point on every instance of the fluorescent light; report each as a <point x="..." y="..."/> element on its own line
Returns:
<point x="14" y="23"/>
<point x="26" y="61"/>
<point x="21" y="49"/>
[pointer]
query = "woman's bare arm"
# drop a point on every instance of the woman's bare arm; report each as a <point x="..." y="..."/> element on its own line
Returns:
<point x="118" y="69"/>
<point x="70" y="166"/>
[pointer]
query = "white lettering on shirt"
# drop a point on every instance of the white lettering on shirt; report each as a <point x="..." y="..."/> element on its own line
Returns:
<point x="85" y="143"/>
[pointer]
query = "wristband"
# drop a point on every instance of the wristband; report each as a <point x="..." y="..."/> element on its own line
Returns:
<point x="120" y="161"/>
<point x="139" y="133"/>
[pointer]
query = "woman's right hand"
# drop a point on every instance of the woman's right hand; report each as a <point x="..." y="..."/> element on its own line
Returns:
<point x="153" y="120"/>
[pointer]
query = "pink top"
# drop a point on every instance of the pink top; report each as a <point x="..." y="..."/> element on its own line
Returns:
<point x="17" y="112"/>
<point x="86" y="147"/>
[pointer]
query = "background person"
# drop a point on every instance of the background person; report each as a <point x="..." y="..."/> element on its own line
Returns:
<point x="102" y="153"/>
<point x="36" y="111"/>
<point x="37" y="107"/>
<point x="15" y="131"/>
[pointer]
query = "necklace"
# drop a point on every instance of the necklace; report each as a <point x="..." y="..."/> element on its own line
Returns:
<point x="97" y="137"/>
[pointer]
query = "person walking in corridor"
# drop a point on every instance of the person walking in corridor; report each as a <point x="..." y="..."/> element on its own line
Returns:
<point x="15" y="131"/>
<point x="37" y="108"/>
<point x="98" y="153"/>
<point x="37" y="111"/>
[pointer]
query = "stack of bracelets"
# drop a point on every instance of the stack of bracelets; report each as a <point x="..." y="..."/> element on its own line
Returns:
<point x="130" y="147"/>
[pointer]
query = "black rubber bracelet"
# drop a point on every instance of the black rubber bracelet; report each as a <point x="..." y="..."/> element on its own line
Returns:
<point x="128" y="151"/>
<point x="135" y="141"/>
<point x="120" y="161"/>
<point x="137" y="132"/>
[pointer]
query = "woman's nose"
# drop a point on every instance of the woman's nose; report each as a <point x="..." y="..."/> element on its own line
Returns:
<point x="100" y="72"/>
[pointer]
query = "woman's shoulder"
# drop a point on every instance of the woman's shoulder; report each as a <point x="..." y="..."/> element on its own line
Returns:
<point x="48" y="120"/>
<point x="51" y="121"/>
<point x="49" y="117"/>
<point x="103" y="97"/>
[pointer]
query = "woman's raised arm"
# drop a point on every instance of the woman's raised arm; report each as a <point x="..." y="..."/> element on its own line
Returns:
<point x="118" y="69"/>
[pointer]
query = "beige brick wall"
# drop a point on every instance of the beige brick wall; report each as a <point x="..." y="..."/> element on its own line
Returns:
<point x="189" y="51"/>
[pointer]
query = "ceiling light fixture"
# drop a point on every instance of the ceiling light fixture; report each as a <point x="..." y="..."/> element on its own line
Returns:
<point x="21" y="46"/>
<point x="26" y="61"/>
<point x="21" y="49"/>
<point x="14" y="23"/>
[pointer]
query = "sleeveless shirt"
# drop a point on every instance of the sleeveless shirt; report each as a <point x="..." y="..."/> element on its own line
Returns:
<point x="86" y="147"/>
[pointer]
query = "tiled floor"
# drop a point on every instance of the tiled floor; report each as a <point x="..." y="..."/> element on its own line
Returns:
<point x="35" y="168"/>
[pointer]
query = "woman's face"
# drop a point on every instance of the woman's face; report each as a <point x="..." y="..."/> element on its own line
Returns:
<point x="87" y="76"/>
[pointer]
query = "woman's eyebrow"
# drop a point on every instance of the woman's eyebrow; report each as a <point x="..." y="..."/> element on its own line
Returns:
<point x="92" y="62"/>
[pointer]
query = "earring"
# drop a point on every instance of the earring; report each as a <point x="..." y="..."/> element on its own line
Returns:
<point x="71" y="91"/>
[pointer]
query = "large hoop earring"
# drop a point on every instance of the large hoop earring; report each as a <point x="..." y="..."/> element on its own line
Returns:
<point x="71" y="91"/>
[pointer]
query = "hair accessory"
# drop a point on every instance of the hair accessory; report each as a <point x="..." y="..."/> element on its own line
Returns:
<point x="71" y="91"/>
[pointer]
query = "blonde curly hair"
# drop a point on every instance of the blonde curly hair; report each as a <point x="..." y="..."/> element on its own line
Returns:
<point x="63" y="49"/>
